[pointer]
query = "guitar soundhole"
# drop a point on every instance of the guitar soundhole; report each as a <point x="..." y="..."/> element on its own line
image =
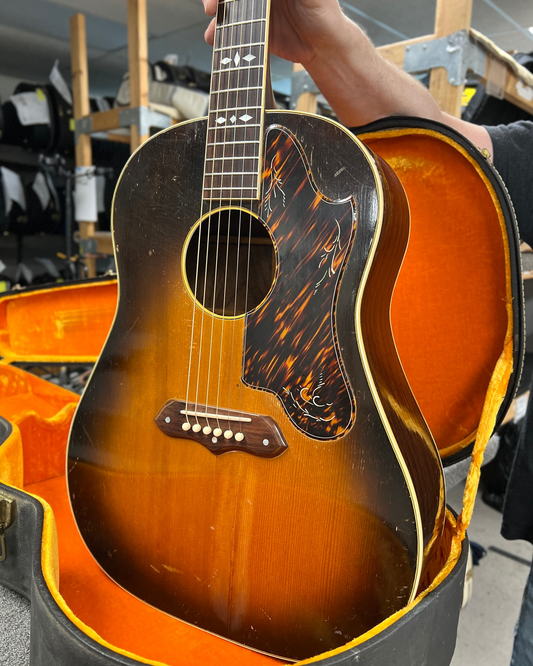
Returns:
<point x="233" y="269"/>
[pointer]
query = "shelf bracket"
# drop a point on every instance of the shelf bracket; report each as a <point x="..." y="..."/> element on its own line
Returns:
<point x="458" y="53"/>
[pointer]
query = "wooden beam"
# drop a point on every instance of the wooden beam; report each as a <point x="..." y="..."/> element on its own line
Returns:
<point x="450" y="16"/>
<point x="395" y="53"/>
<point x="138" y="62"/>
<point x="513" y="88"/>
<point x="307" y="101"/>
<point x="104" y="242"/>
<point x="103" y="121"/>
<point x="81" y="108"/>
<point x="80" y="85"/>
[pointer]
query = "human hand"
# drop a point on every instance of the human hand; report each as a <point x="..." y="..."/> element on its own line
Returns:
<point x="299" y="29"/>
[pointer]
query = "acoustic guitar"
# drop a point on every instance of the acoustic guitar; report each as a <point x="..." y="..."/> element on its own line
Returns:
<point x="248" y="456"/>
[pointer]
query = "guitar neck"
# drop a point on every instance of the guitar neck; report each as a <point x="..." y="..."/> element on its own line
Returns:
<point x="237" y="101"/>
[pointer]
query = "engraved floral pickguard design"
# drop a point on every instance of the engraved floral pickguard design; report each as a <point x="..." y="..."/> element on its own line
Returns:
<point x="291" y="347"/>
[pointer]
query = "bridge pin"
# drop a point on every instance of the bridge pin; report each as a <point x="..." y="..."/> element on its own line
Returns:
<point x="217" y="432"/>
<point x="228" y="434"/>
<point x="239" y="437"/>
<point x="186" y="425"/>
<point x="196" y="427"/>
<point x="206" y="430"/>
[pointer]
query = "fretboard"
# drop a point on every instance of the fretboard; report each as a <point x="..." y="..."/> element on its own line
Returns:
<point x="236" y="105"/>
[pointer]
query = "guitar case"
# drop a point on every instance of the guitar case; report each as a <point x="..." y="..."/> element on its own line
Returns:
<point x="55" y="138"/>
<point x="457" y="316"/>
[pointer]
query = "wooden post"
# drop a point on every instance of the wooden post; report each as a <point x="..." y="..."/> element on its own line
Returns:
<point x="80" y="89"/>
<point x="307" y="101"/>
<point x="450" y="16"/>
<point x="138" y="62"/>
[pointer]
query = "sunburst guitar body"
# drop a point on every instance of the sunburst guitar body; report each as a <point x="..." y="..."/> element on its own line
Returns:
<point x="248" y="456"/>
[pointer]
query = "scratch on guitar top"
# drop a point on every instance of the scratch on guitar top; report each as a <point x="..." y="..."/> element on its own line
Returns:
<point x="263" y="611"/>
<point x="88" y="436"/>
<point x="130" y="329"/>
<point x="338" y="173"/>
<point x="156" y="570"/>
<point x="71" y="468"/>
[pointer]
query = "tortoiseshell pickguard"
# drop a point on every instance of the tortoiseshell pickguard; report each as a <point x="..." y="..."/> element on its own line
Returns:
<point x="291" y="347"/>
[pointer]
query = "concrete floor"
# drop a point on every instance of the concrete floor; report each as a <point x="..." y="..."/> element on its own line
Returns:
<point x="486" y="625"/>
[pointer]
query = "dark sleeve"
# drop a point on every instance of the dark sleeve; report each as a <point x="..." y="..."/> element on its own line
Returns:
<point x="513" y="159"/>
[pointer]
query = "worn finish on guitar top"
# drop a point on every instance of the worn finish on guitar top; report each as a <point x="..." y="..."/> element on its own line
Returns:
<point x="291" y="555"/>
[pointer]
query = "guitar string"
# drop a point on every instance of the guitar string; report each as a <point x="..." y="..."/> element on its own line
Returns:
<point x="220" y="9"/>
<point x="219" y="44"/>
<point x="237" y="26"/>
<point x="257" y="131"/>
<point x="241" y="159"/>
<point x="235" y="20"/>
<point x="227" y="127"/>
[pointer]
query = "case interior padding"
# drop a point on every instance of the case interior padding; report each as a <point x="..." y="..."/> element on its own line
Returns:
<point x="452" y="306"/>
<point x="66" y="324"/>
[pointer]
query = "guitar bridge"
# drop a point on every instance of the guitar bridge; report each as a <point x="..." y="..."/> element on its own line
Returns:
<point x="222" y="430"/>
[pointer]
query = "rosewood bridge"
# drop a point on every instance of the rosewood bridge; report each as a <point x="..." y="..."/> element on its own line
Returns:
<point x="213" y="428"/>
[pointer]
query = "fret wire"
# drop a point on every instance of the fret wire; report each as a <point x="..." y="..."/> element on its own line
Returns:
<point x="235" y="108"/>
<point x="218" y="128"/>
<point x="230" y="189"/>
<point x="213" y="128"/>
<point x="236" y="69"/>
<point x="232" y="173"/>
<point x="242" y="46"/>
<point x="229" y="90"/>
<point x="241" y="23"/>
<point x="222" y="143"/>
<point x="233" y="158"/>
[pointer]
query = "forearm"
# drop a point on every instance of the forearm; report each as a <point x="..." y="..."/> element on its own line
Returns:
<point x="362" y="87"/>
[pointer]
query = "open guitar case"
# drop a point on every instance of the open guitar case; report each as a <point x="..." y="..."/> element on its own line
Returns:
<point x="458" y="319"/>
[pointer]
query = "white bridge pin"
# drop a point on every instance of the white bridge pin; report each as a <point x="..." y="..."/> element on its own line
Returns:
<point x="217" y="432"/>
<point x="228" y="434"/>
<point x="206" y="430"/>
<point x="186" y="426"/>
<point x="239" y="437"/>
<point x="196" y="427"/>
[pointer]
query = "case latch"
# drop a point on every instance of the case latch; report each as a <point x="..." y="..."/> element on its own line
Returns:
<point x="7" y="516"/>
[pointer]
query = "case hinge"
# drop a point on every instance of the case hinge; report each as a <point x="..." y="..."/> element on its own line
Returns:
<point x="7" y="517"/>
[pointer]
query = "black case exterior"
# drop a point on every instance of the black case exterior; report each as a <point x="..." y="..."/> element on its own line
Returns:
<point x="427" y="633"/>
